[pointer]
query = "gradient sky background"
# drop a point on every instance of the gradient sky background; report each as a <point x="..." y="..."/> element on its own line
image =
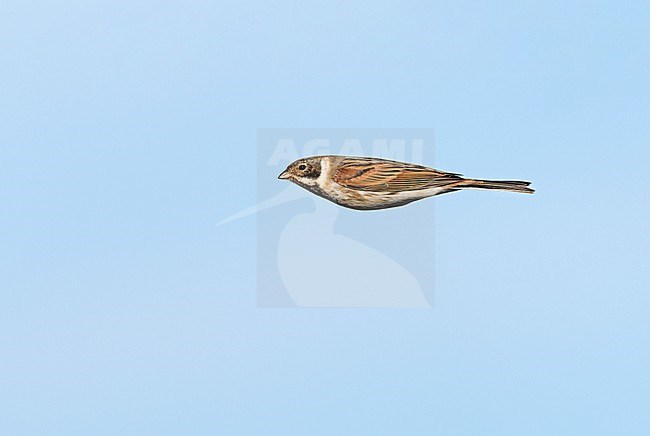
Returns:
<point x="128" y="130"/>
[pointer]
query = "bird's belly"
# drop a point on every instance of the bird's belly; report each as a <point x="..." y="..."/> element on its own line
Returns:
<point x="370" y="200"/>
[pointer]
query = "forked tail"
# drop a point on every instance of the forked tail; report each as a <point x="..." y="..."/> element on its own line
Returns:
<point x="502" y="185"/>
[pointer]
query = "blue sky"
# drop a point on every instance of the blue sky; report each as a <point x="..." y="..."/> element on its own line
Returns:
<point x="129" y="129"/>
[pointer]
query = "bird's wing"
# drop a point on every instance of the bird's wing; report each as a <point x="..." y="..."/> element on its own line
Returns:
<point x="385" y="175"/>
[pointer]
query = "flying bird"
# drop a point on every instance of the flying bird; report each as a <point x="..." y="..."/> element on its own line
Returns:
<point x="368" y="183"/>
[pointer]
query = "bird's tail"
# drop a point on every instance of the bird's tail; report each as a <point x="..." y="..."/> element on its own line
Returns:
<point x="502" y="185"/>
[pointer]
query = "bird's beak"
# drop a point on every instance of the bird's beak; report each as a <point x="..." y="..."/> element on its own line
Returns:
<point x="284" y="175"/>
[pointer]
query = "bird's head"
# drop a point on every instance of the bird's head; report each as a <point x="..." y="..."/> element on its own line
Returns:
<point x="303" y="171"/>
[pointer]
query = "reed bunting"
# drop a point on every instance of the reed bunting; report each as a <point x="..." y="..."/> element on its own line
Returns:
<point x="368" y="183"/>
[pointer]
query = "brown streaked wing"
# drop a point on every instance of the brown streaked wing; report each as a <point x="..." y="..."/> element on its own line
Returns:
<point x="384" y="175"/>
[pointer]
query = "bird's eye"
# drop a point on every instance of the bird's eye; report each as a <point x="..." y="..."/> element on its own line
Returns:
<point x="302" y="167"/>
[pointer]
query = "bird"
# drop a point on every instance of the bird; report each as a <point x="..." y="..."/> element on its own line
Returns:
<point x="370" y="183"/>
